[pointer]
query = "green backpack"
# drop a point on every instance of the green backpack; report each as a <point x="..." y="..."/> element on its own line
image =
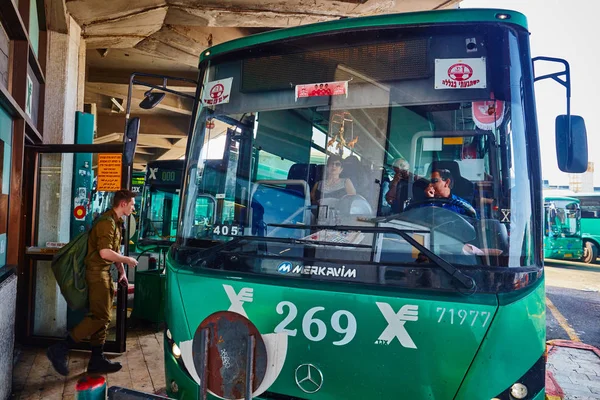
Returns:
<point x="68" y="266"/>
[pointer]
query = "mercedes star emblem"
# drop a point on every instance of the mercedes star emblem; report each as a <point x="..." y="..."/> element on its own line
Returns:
<point x="309" y="378"/>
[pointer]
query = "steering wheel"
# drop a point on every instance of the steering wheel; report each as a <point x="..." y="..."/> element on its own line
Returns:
<point x="441" y="201"/>
<point x="439" y="219"/>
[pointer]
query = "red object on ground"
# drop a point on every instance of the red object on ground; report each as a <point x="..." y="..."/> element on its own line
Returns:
<point x="573" y="345"/>
<point x="90" y="382"/>
<point x="553" y="389"/>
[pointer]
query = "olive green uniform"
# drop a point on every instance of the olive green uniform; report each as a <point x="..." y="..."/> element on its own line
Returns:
<point x="106" y="234"/>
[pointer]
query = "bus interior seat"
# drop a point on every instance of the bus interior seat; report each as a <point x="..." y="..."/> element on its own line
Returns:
<point x="273" y="202"/>
<point x="360" y="176"/>
<point x="418" y="190"/>
<point x="492" y="235"/>
<point x="304" y="172"/>
<point x="401" y="196"/>
<point x="462" y="186"/>
<point x="310" y="173"/>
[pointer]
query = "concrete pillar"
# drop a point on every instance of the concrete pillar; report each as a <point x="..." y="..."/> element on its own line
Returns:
<point x="65" y="78"/>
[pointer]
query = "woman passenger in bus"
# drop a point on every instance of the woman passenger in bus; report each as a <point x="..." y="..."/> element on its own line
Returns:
<point x="333" y="187"/>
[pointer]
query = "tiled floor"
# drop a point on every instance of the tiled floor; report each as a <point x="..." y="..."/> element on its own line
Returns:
<point x="143" y="369"/>
<point x="577" y="372"/>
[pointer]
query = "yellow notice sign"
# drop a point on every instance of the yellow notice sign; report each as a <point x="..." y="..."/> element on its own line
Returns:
<point x="453" y="140"/>
<point x="109" y="172"/>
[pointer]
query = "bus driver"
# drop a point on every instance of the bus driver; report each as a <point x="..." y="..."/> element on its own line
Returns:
<point x="440" y="187"/>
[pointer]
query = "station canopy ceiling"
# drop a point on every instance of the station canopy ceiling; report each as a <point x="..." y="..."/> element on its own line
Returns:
<point x="167" y="37"/>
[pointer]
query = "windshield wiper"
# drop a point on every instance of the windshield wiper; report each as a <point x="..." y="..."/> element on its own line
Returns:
<point x="218" y="248"/>
<point x="457" y="274"/>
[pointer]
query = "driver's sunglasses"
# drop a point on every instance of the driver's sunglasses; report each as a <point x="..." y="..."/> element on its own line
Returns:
<point x="436" y="180"/>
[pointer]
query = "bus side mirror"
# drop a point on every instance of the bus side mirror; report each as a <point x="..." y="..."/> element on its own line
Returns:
<point x="571" y="144"/>
<point x="131" y="135"/>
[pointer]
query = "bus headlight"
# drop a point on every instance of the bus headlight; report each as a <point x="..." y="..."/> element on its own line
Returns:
<point x="518" y="391"/>
<point x="177" y="353"/>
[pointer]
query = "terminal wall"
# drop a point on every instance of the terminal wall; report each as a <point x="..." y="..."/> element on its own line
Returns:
<point x="8" y="295"/>
<point x="63" y="78"/>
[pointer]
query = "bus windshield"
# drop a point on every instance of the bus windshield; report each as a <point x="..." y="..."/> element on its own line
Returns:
<point x="161" y="199"/>
<point x="324" y="150"/>
<point x="160" y="214"/>
<point x="563" y="218"/>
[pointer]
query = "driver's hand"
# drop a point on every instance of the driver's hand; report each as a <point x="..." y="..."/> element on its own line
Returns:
<point x="430" y="191"/>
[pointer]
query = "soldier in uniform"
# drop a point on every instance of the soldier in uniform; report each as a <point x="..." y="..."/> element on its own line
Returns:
<point x="104" y="245"/>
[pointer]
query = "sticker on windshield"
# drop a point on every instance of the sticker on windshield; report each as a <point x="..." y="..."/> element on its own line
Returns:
<point x="217" y="92"/>
<point x="457" y="73"/>
<point x="322" y="89"/>
<point x="488" y="114"/>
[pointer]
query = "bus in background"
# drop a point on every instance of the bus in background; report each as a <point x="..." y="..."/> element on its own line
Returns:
<point x="137" y="186"/>
<point x="562" y="228"/>
<point x="293" y="282"/>
<point x="159" y="208"/>
<point x="590" y="224"/>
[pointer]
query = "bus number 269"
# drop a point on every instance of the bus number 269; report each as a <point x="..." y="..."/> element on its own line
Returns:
<point x="311" y="324"/>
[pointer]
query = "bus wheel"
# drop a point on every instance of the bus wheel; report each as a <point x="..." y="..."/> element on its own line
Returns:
<point x="590" y="252"/>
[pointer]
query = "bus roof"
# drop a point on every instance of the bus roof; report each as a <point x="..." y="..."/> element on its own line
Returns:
<point x="550" y="198"/>
<point x="422" y="17"/>
<point x="569" y="193"/>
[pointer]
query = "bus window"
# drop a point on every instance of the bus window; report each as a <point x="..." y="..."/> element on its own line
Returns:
<point x="266" y="179"/>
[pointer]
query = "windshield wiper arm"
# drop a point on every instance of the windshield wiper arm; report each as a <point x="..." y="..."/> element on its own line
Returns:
<point x="457" y="274"/>
<point x="227" y="245"/>
<point x="298" y="241"/>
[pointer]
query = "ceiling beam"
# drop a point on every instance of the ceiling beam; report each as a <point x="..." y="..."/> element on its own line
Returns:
<point x="112" y="42"/>
<point x="143" y="23"/>
<point x="175" y="152"/>
<point x="170" y="102"/>
<point x="234" y="17"/>
<point x="165" y="50"/>
<point x="154" y="141"/>
<point x="143" y="150"/>
<point x="122" y="76"/>
<point x="113" y="137"/>
<point x="149" y="125"/>
<point x="56" y="16"/>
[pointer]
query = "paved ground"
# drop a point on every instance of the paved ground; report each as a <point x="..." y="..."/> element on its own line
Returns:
<point x="573" y="314"/>
<point x="573" y="293"/>
<point x="576" y="371"/>
<point x="143" y="369"/>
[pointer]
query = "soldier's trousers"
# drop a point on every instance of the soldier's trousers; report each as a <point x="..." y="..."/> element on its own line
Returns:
<point x="101" y="294"/>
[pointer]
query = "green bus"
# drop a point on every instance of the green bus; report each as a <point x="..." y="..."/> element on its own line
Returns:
<point x="137" y="186"/>
<point x="299" y="283"/>
<point x="562" y="228"/>
<point x="159" y="208"/>
<point x="590" y="224"/>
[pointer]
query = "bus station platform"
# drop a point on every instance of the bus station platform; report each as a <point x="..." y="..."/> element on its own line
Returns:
<point x="573" y="370"/>
<point x="143" y="369"/>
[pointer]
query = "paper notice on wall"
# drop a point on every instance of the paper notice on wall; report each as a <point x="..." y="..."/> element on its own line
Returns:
<point x="109" y="172"/>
